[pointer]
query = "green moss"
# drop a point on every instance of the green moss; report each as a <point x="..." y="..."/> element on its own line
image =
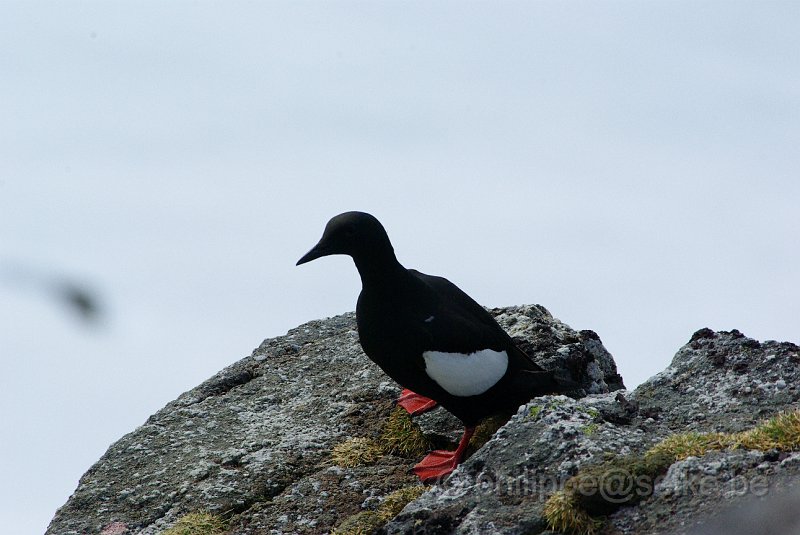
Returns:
<point x="357" y="451"/>
<point x="363" y="523"/>
<point x="401" y="436"/>
<point x="394" y="502"/>
<point x="622" y="480"/>
<point x="534" y="411"/>
<point x="601" y="489"/>
<point x="590" y="411"/>
<point x="589" y="429"/>
<point x="367" y="522"/>
<point x="197" y="523"/>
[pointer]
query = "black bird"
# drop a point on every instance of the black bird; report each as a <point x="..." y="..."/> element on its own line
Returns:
<point x="432" y="338"/>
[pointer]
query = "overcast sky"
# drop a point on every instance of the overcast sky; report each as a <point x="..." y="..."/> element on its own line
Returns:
<point x="631" y="166"/>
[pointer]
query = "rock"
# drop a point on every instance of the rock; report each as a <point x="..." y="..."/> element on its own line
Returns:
<point x="778" y="515"/>
<point x="556" y="346"/>
<point x="503" y="487"/>
<point x="723" y="381"/>
<point x="253" y="443"/>
<point x="719" y="381"/>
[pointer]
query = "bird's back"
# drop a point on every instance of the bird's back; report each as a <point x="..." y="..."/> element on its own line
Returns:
<point x="472" y="325"/>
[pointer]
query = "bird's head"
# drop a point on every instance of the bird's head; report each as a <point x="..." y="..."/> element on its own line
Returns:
<point x="357" y="234"/>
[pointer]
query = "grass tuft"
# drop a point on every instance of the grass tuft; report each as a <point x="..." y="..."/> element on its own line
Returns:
<point x="781" y="432"/>
<point x="197" y="523"/>
<point x="691" y="444"/>
<point x="401" y="436"/>
<point x="563" y="514"/>
<point x="358" y="451"/>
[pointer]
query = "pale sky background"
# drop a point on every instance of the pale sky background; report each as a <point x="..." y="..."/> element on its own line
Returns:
<point x="632" y="166"/>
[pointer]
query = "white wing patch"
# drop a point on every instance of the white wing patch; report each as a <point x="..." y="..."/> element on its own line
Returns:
<point x="466" y="375"/>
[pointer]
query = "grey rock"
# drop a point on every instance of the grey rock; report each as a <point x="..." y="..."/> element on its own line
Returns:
<point x="777" y="514"/>
<point x="731" y="380"/>
<point x="722" y="381"/>
<point x="253" y="443"/>
<point x="556" y="345"/>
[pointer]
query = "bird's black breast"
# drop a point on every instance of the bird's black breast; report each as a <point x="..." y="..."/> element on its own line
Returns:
<point x="393" y="331"/>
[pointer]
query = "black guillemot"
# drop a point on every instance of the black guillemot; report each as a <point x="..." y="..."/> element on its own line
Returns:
<point x="432" y="338"/>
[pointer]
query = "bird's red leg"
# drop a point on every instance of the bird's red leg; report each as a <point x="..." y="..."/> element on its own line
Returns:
<point x="414" y="403"/>
<point x="439" y="463"/>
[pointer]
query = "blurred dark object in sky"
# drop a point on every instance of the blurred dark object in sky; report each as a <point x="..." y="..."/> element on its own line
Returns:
<point x="80" y="300"/>
<point x="78" y="297"/>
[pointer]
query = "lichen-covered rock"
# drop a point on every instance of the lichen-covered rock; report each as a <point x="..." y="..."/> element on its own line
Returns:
<point x="726" y="382"/>
<point x="253" y="444"/>
<point x="557" y="346"/>
<point x="256" y="435"/>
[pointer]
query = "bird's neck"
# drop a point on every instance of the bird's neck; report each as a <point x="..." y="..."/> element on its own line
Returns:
<point x="381" y="271"/>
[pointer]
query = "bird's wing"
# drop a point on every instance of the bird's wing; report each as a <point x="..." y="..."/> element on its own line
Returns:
<point x="459" y="324"/>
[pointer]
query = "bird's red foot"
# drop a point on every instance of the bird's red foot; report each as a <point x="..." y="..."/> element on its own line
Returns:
<point x="440" y="463"/>
<point x="436" y="465"/>
<point x="414" y="403"/>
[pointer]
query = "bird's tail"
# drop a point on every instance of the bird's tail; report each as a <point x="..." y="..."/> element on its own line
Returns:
<point x="564" y="382"/>
<point x="531" y="384"/>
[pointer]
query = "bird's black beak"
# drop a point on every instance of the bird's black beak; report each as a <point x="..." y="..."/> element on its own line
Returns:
<point x="317" y="251"/>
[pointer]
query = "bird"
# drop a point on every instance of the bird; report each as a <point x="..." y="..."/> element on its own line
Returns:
<point x="432" y="338"/>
